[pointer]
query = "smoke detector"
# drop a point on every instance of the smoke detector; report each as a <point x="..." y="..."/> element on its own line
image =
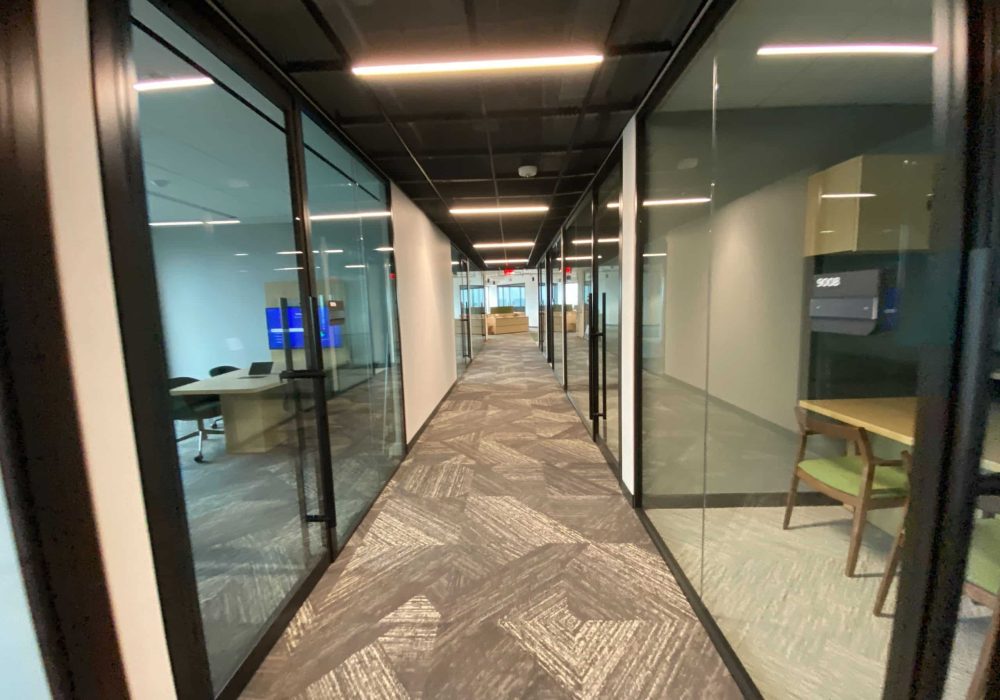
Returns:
<point x="527" y="170"/>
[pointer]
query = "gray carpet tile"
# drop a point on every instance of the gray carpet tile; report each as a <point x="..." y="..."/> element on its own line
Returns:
<point x="500" y="562"/>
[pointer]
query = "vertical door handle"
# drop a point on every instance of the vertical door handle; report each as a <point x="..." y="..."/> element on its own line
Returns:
<point x="604" y="354"/>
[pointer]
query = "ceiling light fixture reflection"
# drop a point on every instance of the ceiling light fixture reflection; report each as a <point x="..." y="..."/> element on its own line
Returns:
<point x="334" y="250"/>
<point x="847" y="50"/>
<point x="241" y="255"/>
<point x="287" y="269"/>
<point x="847" y="195"/>
<point x="353" y="267"/>
<point x="172" y="84"/>
<point x="220" y="222"/>
<point x="478" y="65"/>
<point x="683" y="201"/>
<point x="383" y="249"/>
<point x="351" y="215"/>
<point x="509" y="261"/>
<point x="586" y="241"/>
<point x="654" y="255"/>
<point x="289" y="252"/>
<point x="511" y="244"/>
<point x="454" y="262"/>
<point x="614" y="205"/>
<point x="472" y="211"/>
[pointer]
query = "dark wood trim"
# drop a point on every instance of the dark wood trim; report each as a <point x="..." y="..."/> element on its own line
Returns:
<point x="736" y="668"/>
<point x="734" y="500"/>
<point x="42" y="459"/>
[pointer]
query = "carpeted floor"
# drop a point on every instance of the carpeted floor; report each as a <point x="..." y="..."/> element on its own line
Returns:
<point x="500" y="562"/>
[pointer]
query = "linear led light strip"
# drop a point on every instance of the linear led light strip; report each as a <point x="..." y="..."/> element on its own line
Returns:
<point x="847" y="50"/>
<point x="222" y="222"/>
<point x="654" y="255"/>
<point x="172" y="84"/>
<point x="511" y="244"/>
<point x="473" y="211"/>
<point x="478" y="65"/>
<point x="847" y="195"/>
<point x="351" y="215"/>
<point x="501" y="261"/>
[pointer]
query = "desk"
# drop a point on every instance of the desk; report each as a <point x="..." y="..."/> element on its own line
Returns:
<point x="253" y="408"/>
<point x="500" y="324"/>
<point x="895" y="417"/>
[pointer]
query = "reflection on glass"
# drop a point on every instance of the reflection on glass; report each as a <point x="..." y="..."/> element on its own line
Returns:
<point x="227" y="266"/>
<point x="607" y="236"/>
<point x="542" y="306"/>
<point x="789" y="275"/>
<point x="356" y="284"/>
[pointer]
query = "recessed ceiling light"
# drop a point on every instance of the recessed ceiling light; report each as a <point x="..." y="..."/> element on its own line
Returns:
<point x="847" y="195"/>
<point x="460" y="211"/>
<point x="846" y="49"/>
<point x="510" y="244"/>
<point x="220" y="222"/>
<point x="478" y="65"/>
<point x="384" y="249"/>
<point x="352" y="215"/>
<point x="509" y="261"/>
<point x="172" y="84"/>
<point x="454" y="262"/>
<point x="676" y="202"/>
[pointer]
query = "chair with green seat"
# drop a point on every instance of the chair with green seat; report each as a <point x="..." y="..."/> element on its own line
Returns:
<point x="982" y="586"/>
<point x="860" y="481"/>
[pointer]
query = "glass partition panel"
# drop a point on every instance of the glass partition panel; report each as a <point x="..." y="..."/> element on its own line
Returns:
<point x="460" y="286"/>
<point x="607" y="239"/>
<point x="228" y="273"/>
<point x="478" y="308"/>
<point x="356" y="306"/>
<point x="578" y="294"/>
<point x="557" y="308"/>
<point x="792" y="284"/>
<point x="542" y="305"/>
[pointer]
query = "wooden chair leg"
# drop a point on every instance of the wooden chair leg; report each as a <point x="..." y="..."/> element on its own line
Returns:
<point x="977" y="689"/>
<point x="857" y="529"/>
<point x="890" y="572"/>
<point x="792" y="492"/>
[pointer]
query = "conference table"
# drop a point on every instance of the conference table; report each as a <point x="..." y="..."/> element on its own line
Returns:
<point x="253" y="408"/>
<point x="895" y="418"/>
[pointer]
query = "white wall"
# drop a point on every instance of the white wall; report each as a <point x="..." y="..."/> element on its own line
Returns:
<point x="628" y="257"/>
<point x="426" y="307"/>
<point x="84" y="268"/>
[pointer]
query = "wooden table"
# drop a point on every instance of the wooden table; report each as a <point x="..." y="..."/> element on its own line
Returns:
<point x="895" y="417"/>
<point x="253" y="408"/>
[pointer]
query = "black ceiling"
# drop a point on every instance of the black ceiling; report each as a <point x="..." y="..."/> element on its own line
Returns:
<point x="458" y="141"/>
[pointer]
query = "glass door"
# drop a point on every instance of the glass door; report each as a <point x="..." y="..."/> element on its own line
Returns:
<point x="556" y="308"/>
<point x="463" y="343"/>
<point x="579" y="296"/>
<point x="542" y="305"/>
<point x="607" y="305"/>
<point x="355" y="310"/>
<point x="229" y="267"/>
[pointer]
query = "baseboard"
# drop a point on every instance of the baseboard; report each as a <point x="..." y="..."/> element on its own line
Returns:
<point x="734" y="500"/>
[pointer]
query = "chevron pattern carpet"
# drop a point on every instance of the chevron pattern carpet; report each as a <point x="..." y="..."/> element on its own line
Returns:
<point x="500" y="562"/>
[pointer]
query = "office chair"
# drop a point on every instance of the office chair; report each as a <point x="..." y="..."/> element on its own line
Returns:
<point x="197" y="409"/>
<point x="215" y="372"/>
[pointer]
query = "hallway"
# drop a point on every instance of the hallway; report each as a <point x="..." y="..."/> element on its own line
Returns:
<point x="501" y="561"/>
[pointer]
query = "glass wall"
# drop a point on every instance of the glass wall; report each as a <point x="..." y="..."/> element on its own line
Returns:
<point x="556" y="308"/>
<point x="607" y="235"/>
<point x="578" y="295"/>
<point x="356" y="298"/>
<point x="542" y="305"/>
<point x="477" y="309"/>
<point x="460" y="287"/>
<point x="792" y="288"/>
<point x="227" y="264"/>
